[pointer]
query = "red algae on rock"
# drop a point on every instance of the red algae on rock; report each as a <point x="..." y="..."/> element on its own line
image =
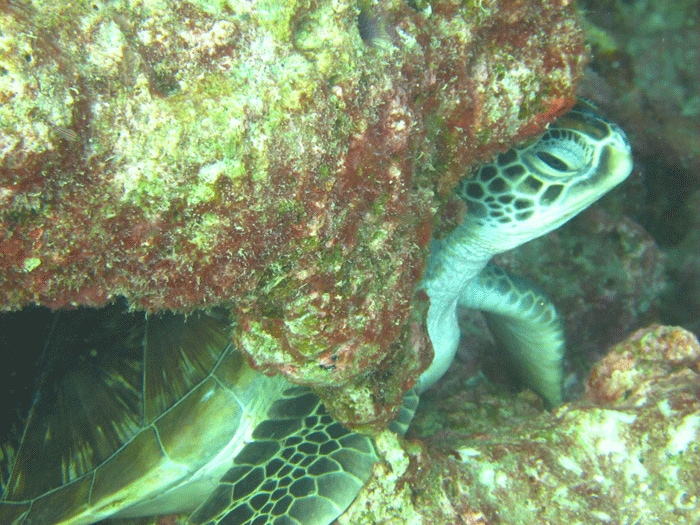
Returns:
<point x="647" y="354"/>
<point x="260" y="155"/>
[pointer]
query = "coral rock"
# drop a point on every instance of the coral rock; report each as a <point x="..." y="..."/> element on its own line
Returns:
<point x="282" y="158"/>
<point x="630" y="457"/>
<point x="646" y="355"/>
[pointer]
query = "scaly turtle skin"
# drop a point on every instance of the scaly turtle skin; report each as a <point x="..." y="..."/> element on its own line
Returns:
<point x="140" y="415"/>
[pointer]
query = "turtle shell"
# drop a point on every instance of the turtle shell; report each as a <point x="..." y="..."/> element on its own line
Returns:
<point x="133" y="414"/>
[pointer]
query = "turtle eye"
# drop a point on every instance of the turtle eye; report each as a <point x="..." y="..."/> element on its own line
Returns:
<point x="554" y="162"/>
<point x="563" y="154"/>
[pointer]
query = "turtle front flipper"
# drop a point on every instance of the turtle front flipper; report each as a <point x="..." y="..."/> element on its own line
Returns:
<point x="301" y="467"/>
<point x="526" y="323"/>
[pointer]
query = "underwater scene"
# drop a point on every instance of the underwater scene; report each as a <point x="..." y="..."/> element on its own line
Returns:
<point x="352" y="262"/>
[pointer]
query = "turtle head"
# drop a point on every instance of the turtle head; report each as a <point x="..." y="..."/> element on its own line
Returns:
<point x="532" y="189"/>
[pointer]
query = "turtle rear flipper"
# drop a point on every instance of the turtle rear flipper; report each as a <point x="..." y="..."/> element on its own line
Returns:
<point x="301" y="467"/>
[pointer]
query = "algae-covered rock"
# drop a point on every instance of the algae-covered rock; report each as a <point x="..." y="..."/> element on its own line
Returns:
<point x="284" y="159"/>
<point x="621" y="455"/>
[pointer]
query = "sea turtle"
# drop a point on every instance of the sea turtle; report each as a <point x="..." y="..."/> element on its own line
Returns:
<point x="140" y="414"/>
<point x="524" y="193"/>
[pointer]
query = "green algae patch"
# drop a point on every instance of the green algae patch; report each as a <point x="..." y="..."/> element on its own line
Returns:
<point x="30" y="264"/>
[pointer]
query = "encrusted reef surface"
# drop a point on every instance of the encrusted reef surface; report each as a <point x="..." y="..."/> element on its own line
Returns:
<point x="627" y="452"/>
<point x="282" y="158"/>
